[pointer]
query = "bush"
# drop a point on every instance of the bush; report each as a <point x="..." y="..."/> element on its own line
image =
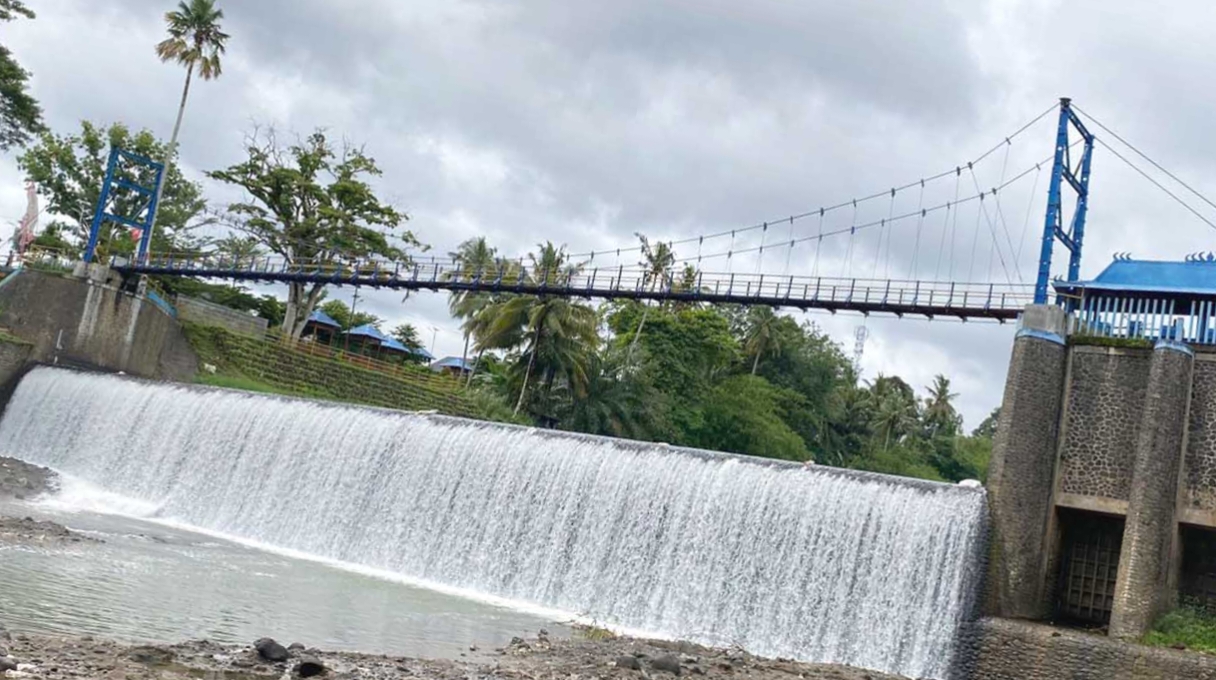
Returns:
<point x="1189" y="627"/>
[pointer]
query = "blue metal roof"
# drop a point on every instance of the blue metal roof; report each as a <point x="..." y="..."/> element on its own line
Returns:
<point x="388" y="342"/>
<point x="453" y="362"/>
<point x="321" y="318"/>
<point x="1193" y="277"/>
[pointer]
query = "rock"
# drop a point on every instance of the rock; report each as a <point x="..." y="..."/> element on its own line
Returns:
<point x="295" y="647"/>
<point x="309" y="666"/>
<point x="629" y="661"/>
<point x="666" y="663"/>
<point x="270" y="650"/>
<point x="7" y="664"/>
<point x="151" y="656"/>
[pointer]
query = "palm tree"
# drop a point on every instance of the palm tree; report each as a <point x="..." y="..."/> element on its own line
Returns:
<point x="939" y="415"/>
<point x="557" y="334"/>
<point x="656" y="264"/>
<point x="475" y="260"/>
<point x="761" y="334"/>
<point x="894" y="408"/>
<point x="195" y="41"/>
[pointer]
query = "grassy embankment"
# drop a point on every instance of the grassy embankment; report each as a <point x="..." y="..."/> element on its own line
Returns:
<point x="261" y="366"/>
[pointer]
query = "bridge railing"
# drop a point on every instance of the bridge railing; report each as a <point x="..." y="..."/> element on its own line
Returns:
<point x="897" y="296"/>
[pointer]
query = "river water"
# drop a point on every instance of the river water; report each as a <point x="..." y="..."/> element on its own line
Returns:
<point x="812" y="564"/>
<point x="151" y="582"/>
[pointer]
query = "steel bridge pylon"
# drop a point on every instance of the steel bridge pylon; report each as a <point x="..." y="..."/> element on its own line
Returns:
<point x="1062" y="170"/>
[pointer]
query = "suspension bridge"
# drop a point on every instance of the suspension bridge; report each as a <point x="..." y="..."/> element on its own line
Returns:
<point x="935" y="224"/>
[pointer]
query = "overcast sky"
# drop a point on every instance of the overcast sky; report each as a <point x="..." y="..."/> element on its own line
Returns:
<point x="583" y="123"/>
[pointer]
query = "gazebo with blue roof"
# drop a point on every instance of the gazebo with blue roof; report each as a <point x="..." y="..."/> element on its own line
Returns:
<point x="321" y="326"/>
<point x="1147" y="299"/>
<point x="373" y="341"/>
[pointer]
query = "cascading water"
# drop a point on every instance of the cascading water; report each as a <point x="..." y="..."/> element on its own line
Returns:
<point x="813" y="564"/>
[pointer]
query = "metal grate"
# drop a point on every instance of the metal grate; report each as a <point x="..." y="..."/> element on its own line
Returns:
<point x="1198" y="584"/>
<point x="1088" y="567"/>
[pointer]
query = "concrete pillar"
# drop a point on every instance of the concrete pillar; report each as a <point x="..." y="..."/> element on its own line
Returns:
<point x="1021" y="476"/>
<point x="1142" y="589"/>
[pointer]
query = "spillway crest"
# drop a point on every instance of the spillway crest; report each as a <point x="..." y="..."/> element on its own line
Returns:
<point x="812" y="564"/>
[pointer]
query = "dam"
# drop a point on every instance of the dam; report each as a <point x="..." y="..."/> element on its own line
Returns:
<point x="785" y="561"/>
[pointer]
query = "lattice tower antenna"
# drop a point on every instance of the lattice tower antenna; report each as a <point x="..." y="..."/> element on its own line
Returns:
<point x="859" y="346"/>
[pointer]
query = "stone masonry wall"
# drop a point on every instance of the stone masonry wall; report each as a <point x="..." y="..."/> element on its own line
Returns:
<point x="1106" y="389"/>
<point x="211" y="314"/>
<point x="1003" y="649"/>
<point x="1199" y="467"/>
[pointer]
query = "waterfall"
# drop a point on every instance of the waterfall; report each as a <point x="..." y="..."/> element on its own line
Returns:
<point x="806" y="563"/>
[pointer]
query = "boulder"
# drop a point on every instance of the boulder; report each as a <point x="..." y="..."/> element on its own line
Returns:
<point x="151" y="656"/>
<point x="629" y="661"/>
<point x="270" y="650"/>
<point x="295" y="647"/>
<point x="666" y="663"/>
<point x="309" y="666"/>
<point x="7" y="664"/>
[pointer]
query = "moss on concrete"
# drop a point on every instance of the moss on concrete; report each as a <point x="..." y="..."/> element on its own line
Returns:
<point x="1101" y="341"/>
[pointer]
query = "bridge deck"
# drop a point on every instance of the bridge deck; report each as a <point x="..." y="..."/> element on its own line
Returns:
<point x="930" y="299"/>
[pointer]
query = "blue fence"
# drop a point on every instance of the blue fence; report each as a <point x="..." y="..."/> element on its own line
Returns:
<point x="1184" y="320"/>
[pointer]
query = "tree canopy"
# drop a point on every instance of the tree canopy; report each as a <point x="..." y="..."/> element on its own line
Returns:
<point x="310" y="202"/>
<point x="70" y="169"/>
<point x="20" y="114"/>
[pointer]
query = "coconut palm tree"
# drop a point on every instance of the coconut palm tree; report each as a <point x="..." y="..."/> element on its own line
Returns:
<point x="196" y="42"/>
<point x="475" y="260"/>
<point x="939" y="415"/>
<point x="657" y="261"/>
<point x="557" y="334"/>
<point x="761" y="336"/>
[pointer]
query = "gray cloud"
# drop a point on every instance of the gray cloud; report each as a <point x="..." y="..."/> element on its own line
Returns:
<point x="585" y="122"/>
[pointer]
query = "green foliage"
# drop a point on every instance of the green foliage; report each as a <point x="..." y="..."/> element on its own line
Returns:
<point x="195" y="39"/>
<point x="1192" y="628"/>
<point x="234" y="382"/>
<point x="550" y="337"/>
<point x="69" y="171"/>
<point x="247" y="363"/>
<point x="20" y="114"/>
<point x="310" y="202"/>
<point x="1080" y="339"/>
<point x="340" y="312"/>
<point x="744" y="415"/>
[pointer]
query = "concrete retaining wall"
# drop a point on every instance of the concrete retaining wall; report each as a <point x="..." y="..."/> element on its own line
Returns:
<point x="87" y="323"/>
<point x="1003" y="649"/>
<point x="211" y="314"/>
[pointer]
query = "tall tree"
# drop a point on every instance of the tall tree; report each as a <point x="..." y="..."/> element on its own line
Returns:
<point x="196" y="42"/>
<point x="69" y="171"/>
<point x="339" y="311"/>
<point x="939" y="416"/>
<point x="556" y="335"/>
<point x="475" y="260"/>
<point x="761" y="337"/>
<point x="20" y="114"/>
<point x="311" y="203"/>
<point x="657" y="261"/>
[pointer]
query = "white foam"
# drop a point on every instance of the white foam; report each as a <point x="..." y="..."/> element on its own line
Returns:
<point x="783" y="560"/>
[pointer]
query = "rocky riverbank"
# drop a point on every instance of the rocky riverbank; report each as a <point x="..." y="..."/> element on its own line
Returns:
<point x="586" y="657"/>
<point x="21" y="481"/>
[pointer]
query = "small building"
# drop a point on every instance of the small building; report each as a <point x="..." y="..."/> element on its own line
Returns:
<point x="371" y="341"/>
<point x="1149" y="299"/>
<point x="321" y="327"/>
<point x="455" y="366"/>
